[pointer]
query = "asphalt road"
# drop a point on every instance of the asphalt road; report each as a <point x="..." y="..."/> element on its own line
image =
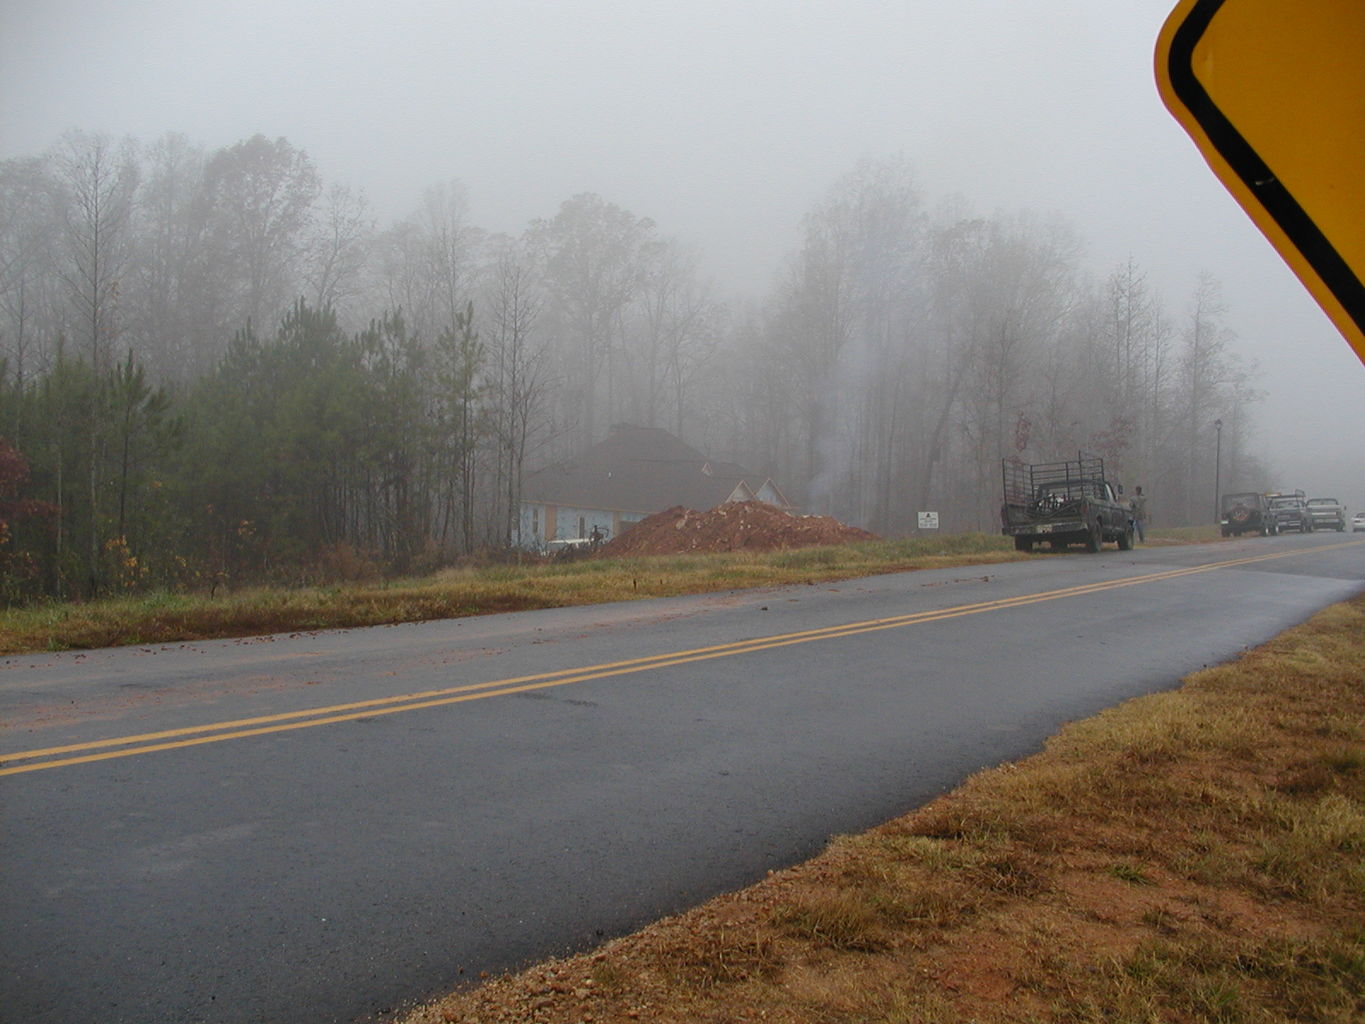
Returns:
<point x="323" y="827"/>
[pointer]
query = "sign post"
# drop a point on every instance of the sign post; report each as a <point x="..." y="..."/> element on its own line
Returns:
<point x="928" y="520"/>
<point x="1273" y="94"/>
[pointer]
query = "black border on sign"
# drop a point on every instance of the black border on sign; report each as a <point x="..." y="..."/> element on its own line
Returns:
<point x="1260" y="182"/>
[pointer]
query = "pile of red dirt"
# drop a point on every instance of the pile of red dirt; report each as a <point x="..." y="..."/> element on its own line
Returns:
<point x="735" y="526"/>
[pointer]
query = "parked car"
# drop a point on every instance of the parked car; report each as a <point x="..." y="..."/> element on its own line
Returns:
<point x="1288" y="512"/>
<point x="1243" y="512"/>
<point x="1326" y="514"/>
<point x="1358" y="522"/>
<point x="568" y="547"/>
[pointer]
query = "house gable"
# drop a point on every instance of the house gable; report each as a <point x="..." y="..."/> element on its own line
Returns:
<point x="639" y="470"/>
<point x="633" y="473"/>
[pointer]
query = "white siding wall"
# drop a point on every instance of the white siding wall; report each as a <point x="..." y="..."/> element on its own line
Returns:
<point x="570" y="522"/>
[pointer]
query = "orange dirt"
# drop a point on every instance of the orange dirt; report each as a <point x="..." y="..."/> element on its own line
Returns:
<point x="735" y="526"/>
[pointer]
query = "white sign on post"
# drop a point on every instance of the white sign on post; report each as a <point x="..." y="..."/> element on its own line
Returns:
<point x="928" y="520"/>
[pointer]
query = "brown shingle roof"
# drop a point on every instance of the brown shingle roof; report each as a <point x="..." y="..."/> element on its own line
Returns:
<point x="640" y="469"/>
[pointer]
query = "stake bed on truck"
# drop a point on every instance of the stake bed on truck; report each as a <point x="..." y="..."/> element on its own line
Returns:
<point x="1063" y="503"/>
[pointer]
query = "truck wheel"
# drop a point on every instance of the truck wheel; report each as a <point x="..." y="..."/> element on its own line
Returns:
<point x="1023" y="544"/>
<point x="1095" y="537"/>
<point x="1126" y="540"/>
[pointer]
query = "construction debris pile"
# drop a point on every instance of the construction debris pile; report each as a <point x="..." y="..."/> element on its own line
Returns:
<point x="735" y="526"/>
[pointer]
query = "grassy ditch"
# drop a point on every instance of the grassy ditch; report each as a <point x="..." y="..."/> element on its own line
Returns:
<point x="1196" y="855"/>
<point x="168" y="617"/>
<point x="174" y="618"/>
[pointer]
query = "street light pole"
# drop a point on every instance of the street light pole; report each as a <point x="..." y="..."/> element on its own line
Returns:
<point x="1217" y="467"/>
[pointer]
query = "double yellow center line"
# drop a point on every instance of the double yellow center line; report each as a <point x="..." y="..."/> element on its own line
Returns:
<point x="242" y="728"/>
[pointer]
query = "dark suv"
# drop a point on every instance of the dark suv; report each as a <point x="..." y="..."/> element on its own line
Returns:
<point x="1289" y="512"/>
<point x="1243" y="513"/>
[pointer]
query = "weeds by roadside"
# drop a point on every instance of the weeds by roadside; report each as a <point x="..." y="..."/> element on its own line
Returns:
<point x="164" y="617"/>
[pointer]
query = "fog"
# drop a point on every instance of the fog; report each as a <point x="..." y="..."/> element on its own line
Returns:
<point x="723" y="122"/>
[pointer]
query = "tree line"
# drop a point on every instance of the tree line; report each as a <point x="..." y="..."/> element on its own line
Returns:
<point x="215" y="368"/>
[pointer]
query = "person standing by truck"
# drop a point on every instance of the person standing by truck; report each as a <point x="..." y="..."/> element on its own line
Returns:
<point x="1138" y="503"/>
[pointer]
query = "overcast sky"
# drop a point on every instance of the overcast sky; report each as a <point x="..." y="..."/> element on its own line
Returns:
<point x="724" y="122"/>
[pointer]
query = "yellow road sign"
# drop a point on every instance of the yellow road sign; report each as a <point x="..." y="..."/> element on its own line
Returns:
<point x="1273" y="94"/>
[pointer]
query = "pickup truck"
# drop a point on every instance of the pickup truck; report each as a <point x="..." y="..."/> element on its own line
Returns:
<point x="1288" y="510"/>
<point x="1063" y="503"/>
<point x="1326" y="514"/>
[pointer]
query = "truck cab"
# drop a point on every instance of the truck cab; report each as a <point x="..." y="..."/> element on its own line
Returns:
<point x="1288" y="511"/>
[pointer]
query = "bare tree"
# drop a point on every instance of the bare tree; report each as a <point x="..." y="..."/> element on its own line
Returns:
<point x="176" y="312"/>
<point x="461" y="389"/>
<point x="30" y="300"/>
<point x="958" y="313"/>
<point x="1204" y="369"/>
<point x="594" y="257"/>
<point x="96" y="183"/>
<point x="337" y="248"/>
<point x="748" y="413"/>
<point x="427" y="261"/>
<point x="1027" y="293"/>
<point x="1138" y="340"/>
<point x="673" y="335"/>
<point x="850" y="309"/>
<point x="519" y="367"/>
<point x="449" y="245"/>
<point x="261" y="195"/>
<point x="1130" y="319"/>
<point x="97" y="180"/>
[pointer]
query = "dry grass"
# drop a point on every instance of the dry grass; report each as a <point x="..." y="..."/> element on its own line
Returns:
<point x="1197" y="855"/>
<point x="453" y="593"/>
<point x="175" y="618"/>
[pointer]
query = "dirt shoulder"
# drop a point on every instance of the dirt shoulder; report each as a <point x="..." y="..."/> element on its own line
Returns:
<point x="1196" y="855"/>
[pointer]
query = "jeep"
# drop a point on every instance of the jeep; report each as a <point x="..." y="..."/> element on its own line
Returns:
<point x="1243" y="513"/>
